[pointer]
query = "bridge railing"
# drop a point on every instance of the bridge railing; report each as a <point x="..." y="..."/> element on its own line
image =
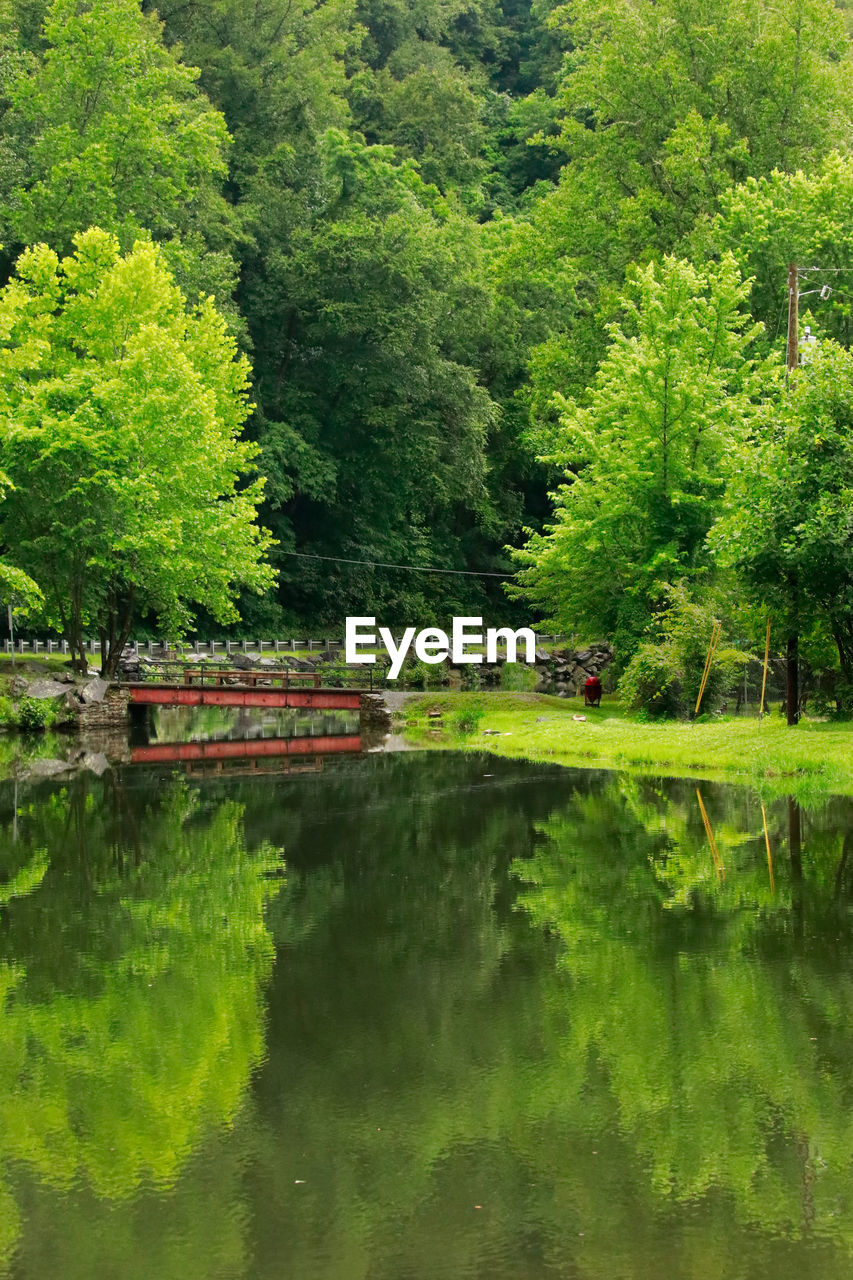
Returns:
<point x="182" y="674"/>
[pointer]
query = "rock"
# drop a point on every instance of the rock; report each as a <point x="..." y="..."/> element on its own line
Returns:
<point x="95" y="762"/>
<point x="46" y="689"/>
<point x="302" y="664"/>
<point x="579" y="717"/>
<point x="270" y="664"/>
<point x="562" y="693"/>
<point x="18" y="686"/>
<point x="542" y="655"/>
<point x="242" y="661"/>
<point x="492" y="732"/>
<point x="94" y="691"/>
<point x="72" y="701"/>
<point x="434" y="715"/>
<point x="47" y="768"/>
<point x="583" y="654"/>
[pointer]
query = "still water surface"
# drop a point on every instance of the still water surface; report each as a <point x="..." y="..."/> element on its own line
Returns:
<point x="423" y="1015"/>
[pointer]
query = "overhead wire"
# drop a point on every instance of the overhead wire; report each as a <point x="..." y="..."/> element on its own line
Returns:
<point x="411" y="568"/>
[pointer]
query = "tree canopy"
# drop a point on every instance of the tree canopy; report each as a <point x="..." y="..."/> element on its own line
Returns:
<point x="425" y="227"/>
<point x="120" y="416"/>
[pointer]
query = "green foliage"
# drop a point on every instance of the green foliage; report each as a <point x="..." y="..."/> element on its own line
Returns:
<point x="465" y="719"/>
<point x="120" y="415"/>
<point x="112" y="131"/>
<point x="647" y="457"/>
<point x="34" y="713"/>
<point x="787" y="529"/>
<point x="796" y="217"/>
<point x="664" y="676"/>
<point x="429" y="223"/>
<point x="518" y="677"/>
<point x="375" y="424"/>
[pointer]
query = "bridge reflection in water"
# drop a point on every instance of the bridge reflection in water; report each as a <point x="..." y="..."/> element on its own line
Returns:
<point x="251" y="743"/>
<point x="285" y="752"/>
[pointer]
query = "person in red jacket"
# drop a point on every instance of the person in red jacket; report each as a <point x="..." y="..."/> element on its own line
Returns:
<point x="592" y="692"/>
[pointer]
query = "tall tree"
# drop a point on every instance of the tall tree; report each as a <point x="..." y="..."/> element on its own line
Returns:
<point x="665" y="107"/>
<point x="645" y="459"/>
<point x="372" y="420"/>
<point x="788" y="530"/>
<point x="110" y="129"/>
<point x="801" y="217"/>
<point x="120" y="416"/>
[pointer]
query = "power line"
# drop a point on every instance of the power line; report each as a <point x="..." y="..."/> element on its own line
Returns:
<point x="413" y="568"/>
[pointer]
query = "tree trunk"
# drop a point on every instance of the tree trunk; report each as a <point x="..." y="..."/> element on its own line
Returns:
<point x="792" y="680"/>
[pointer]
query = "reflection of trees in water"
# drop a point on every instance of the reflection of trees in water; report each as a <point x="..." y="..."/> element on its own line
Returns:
<point x="636" y="1110"/>
<point x="201" y="723"/>
<point x="131" y="980"/>
<point x="429" y="1050"/>
<point x="718" y="1010"/>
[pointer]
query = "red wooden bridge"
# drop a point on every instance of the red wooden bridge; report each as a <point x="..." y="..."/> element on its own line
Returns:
<point x="233" y="688"/>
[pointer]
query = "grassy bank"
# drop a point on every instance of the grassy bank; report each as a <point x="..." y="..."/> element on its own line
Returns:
<point x="767" y="753"/>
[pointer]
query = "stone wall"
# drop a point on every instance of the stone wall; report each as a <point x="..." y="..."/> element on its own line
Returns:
<point x="111" y="713"/>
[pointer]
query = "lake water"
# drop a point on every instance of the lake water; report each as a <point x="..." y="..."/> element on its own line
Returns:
<point x="422" y="1015"/>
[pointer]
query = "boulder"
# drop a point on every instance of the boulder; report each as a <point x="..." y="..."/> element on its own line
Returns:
<point x="18" y="686"/>
<point x="242" y="661"/>
<point x="95" y="762"/>
<point x="302" y="664"/>
<point x="94" y="691"/>
<point x="46" y="768"/>
<point x="46" y="689"/>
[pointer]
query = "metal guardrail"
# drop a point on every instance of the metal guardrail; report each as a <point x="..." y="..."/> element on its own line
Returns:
<point x="213" y="647"/>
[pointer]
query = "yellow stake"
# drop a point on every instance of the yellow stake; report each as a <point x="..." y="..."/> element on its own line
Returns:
<point x="766" y="661"/>
<point x="769" y="859"/>
<point x="712" y="649"/>
<point x="715" y="855"/>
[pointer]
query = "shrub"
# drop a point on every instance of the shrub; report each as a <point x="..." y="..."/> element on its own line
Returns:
<point x="33" y="713"/>
<point x="665" y="674"/>
<point x="518" y="677"/>
<point x="650" y="681"/>
<point x="466" y="718"/>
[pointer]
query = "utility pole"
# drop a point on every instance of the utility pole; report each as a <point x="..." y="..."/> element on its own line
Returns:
<point x="792" y="663"/>
<point x="793" y="317"/>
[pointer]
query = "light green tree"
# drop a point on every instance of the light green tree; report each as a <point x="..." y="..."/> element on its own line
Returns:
<point x="105" y="126"/>
<point x="120" y="417"/>
<point x="645" y="459"/>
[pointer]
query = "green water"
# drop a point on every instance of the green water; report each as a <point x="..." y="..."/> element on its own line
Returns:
<point x="422" y="1015"/>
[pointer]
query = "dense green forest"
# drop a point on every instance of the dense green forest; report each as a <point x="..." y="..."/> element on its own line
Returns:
<point x="501" y="288"/>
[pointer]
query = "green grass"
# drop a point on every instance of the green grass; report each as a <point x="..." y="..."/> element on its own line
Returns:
<point x="814" y="756"/>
